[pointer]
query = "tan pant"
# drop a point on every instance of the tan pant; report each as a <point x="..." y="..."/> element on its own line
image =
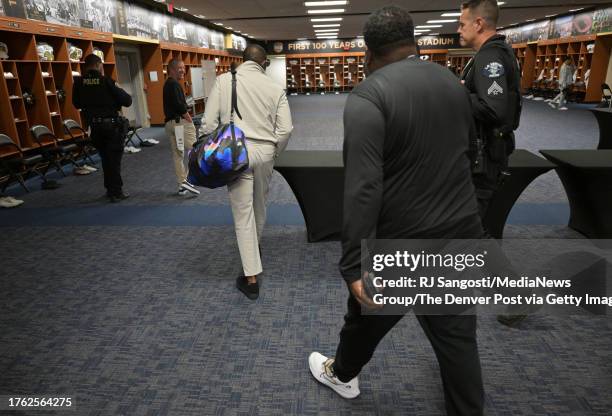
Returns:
<point x="178" y="155"/>
<point x="248" y="197"/>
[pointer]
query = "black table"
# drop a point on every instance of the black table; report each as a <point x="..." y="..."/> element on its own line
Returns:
<point x="587" y="179"/>
<point x="604" y="119"/>
<point x="317" y="180"/>
<point x="524" y="168"/>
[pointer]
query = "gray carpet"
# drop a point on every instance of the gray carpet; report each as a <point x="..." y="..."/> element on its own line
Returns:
<point x="145" y="320"/>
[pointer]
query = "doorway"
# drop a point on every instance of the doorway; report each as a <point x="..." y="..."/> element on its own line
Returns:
<point x="130" y="78"/>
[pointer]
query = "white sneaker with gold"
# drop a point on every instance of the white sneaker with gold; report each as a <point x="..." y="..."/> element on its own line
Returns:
<point x="321" y="368"/>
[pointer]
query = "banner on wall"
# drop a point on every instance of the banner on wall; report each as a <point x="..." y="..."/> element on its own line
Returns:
<point x="450" y="41"/>
<point x="587" y="23"/>
<point x="116" y="16"/>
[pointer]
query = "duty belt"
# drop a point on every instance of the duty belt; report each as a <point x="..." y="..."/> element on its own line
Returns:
<point x="100" y="120"/>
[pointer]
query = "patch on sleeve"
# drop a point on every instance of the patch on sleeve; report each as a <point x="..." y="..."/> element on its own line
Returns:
<point x="495" y="89"/>
<point x="494" y="70"/>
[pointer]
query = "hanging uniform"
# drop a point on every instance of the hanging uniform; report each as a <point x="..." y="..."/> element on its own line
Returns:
<point x="493" y="78"/>
<point x="101" y="100"/>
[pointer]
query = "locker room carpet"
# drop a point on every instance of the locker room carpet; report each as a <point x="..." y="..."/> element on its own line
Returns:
<point x="142" y="318"/>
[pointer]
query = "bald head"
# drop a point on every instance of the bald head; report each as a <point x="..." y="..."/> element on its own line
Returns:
<point x="255" y="53"/>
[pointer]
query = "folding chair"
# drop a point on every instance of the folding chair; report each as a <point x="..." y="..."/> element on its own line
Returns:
<point x="15" y="164"/>
<point x="80" y="138"/>
<point x="51" y="150"/>
<point x="133" y="131"/>
<point x="606" y="93"/>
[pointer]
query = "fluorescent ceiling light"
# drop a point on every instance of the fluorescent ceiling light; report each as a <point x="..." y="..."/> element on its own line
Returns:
<point x="183" y="9"/>
<point x="325" y="3"/>
<point x="451" y="14"/>
<point x="442" y="21"/>
<point x="328" y="25"/>
<point x="325" y="11"/>
<point x="326" y="31"/>
<point x="327" y="19"/>
<point x="327" y="37"/>
<point x="550" y="15"/>
<point x="301" y="38"/>
<point x="423" y="30"/>
<point x="426" y="26"/>
<point x="218" y="23"/>
<point x="576" y="10"/>
<point x="501" y="3"/>
<point x="201" y="16"/>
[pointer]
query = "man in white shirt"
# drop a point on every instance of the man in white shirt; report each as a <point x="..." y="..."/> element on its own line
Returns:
<point x="566" y="79"/>
<point x="266" y="123"/>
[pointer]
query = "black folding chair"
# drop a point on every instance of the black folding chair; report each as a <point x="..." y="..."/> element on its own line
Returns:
<point x="51" y="149"/>
<point x="15" y="164"/>
<point x="133" y="132"/>
<point x="80" y="138"/>
<point x="606" y="94"/>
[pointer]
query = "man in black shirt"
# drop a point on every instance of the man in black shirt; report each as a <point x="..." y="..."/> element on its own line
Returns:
<point x="101" y="100"/>
<point x="407" y="176"/>
<point x="493" y="79"/>
<point x="179" y="125"/>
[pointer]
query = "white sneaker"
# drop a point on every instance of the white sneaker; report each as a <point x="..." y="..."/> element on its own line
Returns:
<point x="189" y="187"/>
<point x="182" y="192"/>
<point x="538" y="99"/>
<point x="563" y="109"/>
<point x="89" y="168"/>
<point x="152" y="141"/>
<point x="9" y="202"/>
<point x="529" y="97"/>
<point x="321" y="369"/>
<point x="131" y="149"/>
<point x="82" y="171"/>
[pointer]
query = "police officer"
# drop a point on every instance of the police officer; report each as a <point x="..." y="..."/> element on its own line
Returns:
<point x="493" y="78"/>
<point x="101" y="100"/>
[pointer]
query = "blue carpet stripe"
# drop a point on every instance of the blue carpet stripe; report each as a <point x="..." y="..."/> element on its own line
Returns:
<point x="199" y="215"/>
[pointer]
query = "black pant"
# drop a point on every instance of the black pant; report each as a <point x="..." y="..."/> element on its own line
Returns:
<point x="452" y="337"/>
<point x="108" y="139"/>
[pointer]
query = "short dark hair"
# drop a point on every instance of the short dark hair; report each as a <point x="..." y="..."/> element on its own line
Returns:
<point x="91" y="61"/>
<point x="488" y="10"/>
<point x="254" y="52"/>
<point x="174" y="63"/>
<point x="388" y="28"/>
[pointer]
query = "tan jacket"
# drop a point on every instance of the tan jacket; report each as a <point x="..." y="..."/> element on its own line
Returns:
<point x="262" y="103"/>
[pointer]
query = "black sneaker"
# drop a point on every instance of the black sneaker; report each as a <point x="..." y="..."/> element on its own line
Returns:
<point x="119" y="197"/>
<point x="250" y="290"/>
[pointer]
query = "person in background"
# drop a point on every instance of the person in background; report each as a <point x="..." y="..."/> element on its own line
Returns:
<point x="179" y="125"/>
<point x="407" y="176"/>
<point x="101" y="100"/>
<point x="493" y="79"/>
<point x="266" y="123"/>
<point x="566" y="80"/>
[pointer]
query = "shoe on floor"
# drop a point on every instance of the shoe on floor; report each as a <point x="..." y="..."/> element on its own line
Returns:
<point x="250" y="290"/>
<point x="90" y="168"/>
<point x="189" y="187"/>
<point x="322" y="370"/>
<point x="119" y="197"/>
<point x="563" y="109"/>
<point x="82" y="171"/>
<point x="9" y="202"/>
<point x="182" y="192"/>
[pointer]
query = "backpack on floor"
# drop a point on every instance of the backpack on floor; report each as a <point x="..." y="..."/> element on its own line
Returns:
<point x="219" y="158"/>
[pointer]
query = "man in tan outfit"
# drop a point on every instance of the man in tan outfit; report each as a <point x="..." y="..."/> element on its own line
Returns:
<point x="266" y="123"/>
<point x="179" y="126"/>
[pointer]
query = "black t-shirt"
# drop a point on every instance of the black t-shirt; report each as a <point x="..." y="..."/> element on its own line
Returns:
<point x="407" y="129"/>
<point x="175" y="104"/>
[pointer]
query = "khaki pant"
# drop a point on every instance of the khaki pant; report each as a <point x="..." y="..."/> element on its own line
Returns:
<point x="248" y="197"/>
<point x="178" y="155"/>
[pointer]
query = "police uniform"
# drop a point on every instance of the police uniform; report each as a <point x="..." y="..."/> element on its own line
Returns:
<point x="493" y="78"/>
<point x="101" y="100"/>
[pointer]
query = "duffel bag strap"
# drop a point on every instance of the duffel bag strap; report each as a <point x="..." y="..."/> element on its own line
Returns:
<point x="234" y="96"/>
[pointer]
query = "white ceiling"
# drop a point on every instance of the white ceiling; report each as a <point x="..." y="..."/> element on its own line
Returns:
<point x="288" y="19"/>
